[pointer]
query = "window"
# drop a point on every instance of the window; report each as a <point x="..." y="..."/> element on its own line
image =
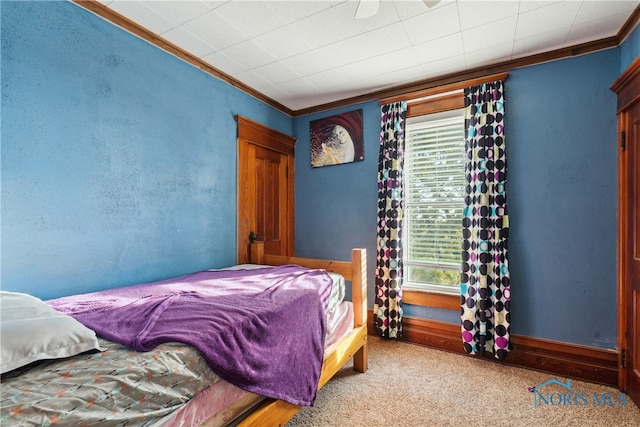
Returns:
<point x="434" y="201"/>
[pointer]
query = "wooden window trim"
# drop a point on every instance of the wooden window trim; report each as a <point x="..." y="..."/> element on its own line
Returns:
<point x="421" y="107"/>
<point x="444" y="88"/>
<point x="430" y="299"/>
<point x="452" y="101"/>
<point x="431" y="101"/>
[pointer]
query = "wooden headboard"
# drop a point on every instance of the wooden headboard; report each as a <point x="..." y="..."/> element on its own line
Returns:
<point x="278" y="412"/>
<point x="354" y="271"/>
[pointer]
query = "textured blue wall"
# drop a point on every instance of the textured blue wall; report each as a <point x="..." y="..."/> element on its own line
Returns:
<point x="562" y="190"/>
<point x="118" y="166"/>
<point x="561" y="146"/>
<point x="118" y="160"/>
<point x="336" y="206"/>
<point x="630" y="49"/>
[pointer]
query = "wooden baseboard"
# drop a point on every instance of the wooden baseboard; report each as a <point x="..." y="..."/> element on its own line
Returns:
<point x="569" y="360"/>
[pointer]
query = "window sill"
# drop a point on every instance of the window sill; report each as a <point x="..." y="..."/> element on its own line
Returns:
<point x="431" y="299"/>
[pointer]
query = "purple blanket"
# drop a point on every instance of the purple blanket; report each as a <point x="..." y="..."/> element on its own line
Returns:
<point x="262" y="330"/>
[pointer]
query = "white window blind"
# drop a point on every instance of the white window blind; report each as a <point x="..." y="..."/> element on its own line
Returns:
<point x="434" y="201"/>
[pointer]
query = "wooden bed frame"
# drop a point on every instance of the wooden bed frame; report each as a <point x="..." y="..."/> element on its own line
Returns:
<point x="277" y="412"/>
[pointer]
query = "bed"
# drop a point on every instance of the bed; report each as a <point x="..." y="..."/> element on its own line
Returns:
<point x="186" y="390"/>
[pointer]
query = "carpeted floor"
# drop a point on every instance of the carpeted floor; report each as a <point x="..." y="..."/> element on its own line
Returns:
<point x="426" y="387"/>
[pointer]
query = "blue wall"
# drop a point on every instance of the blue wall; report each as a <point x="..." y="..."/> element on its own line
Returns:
<point x="562" y="186"/>
<point x="118" y="166"/>
<point x="630" y="49"/>
<point x="561" y="146"/>
<point x="118" y="160"/>
<point x="336" y="206"/>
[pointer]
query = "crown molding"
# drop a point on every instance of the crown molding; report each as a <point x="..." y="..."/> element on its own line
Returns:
<point x="125" y="23"/>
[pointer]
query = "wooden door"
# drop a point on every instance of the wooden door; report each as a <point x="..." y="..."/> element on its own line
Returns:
<point x="627" y="88"/>
<point x="271" y="200"/>
<point x="265" y="189"/>
<point x="632" y="286"/>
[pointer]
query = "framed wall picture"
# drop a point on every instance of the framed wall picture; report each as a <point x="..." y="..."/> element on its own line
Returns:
<point x="337" y="139"/>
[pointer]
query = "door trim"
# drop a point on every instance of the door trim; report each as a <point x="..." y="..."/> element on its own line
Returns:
<point x="258" y="134"/>
<point x="251" y="134"/>
<point x="626" y="89"/>
<point x="623" y="254"/>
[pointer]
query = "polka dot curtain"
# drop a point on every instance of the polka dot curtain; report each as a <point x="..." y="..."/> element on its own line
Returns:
<point x="485" y="286"/>
<point x="387" y="311"/>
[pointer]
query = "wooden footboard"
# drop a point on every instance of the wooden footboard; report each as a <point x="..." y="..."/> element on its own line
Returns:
<point x="277" y="412"/>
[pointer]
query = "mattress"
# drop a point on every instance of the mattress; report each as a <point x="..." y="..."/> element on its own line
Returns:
<point x="338" y="287"/>
<point x="223" y="404"/>
<point x="170" y="385"/>
<point x="110" y="388"/>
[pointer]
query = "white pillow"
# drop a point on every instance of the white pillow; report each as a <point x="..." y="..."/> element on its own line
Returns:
<point x="31" y="330"/>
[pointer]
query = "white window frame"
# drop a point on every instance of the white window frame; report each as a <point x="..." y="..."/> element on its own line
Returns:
<point x="422" y="286"/>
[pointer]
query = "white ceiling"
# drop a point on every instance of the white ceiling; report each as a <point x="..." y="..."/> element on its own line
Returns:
<point x="305" y="53"/>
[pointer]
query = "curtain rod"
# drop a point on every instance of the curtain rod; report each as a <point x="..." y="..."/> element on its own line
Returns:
<point x="445" y="88"/>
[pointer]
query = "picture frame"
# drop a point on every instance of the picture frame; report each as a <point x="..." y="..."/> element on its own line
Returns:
<point x="337" y="139"/>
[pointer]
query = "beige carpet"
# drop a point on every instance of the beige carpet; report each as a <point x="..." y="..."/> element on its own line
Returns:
<point x="427" y="387"/>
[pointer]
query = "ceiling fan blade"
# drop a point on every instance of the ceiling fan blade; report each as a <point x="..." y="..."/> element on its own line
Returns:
<point x="367" y="8"/>
<point x="431" y="3"/>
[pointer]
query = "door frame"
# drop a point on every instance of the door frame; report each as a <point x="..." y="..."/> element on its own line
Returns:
<point x="251" y="133"/>
<point x="627" y="90"/>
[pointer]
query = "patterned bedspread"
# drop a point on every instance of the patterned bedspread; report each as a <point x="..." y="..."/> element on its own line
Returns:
<point x="261" y="330"/>
<point x="121" y="388"/>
